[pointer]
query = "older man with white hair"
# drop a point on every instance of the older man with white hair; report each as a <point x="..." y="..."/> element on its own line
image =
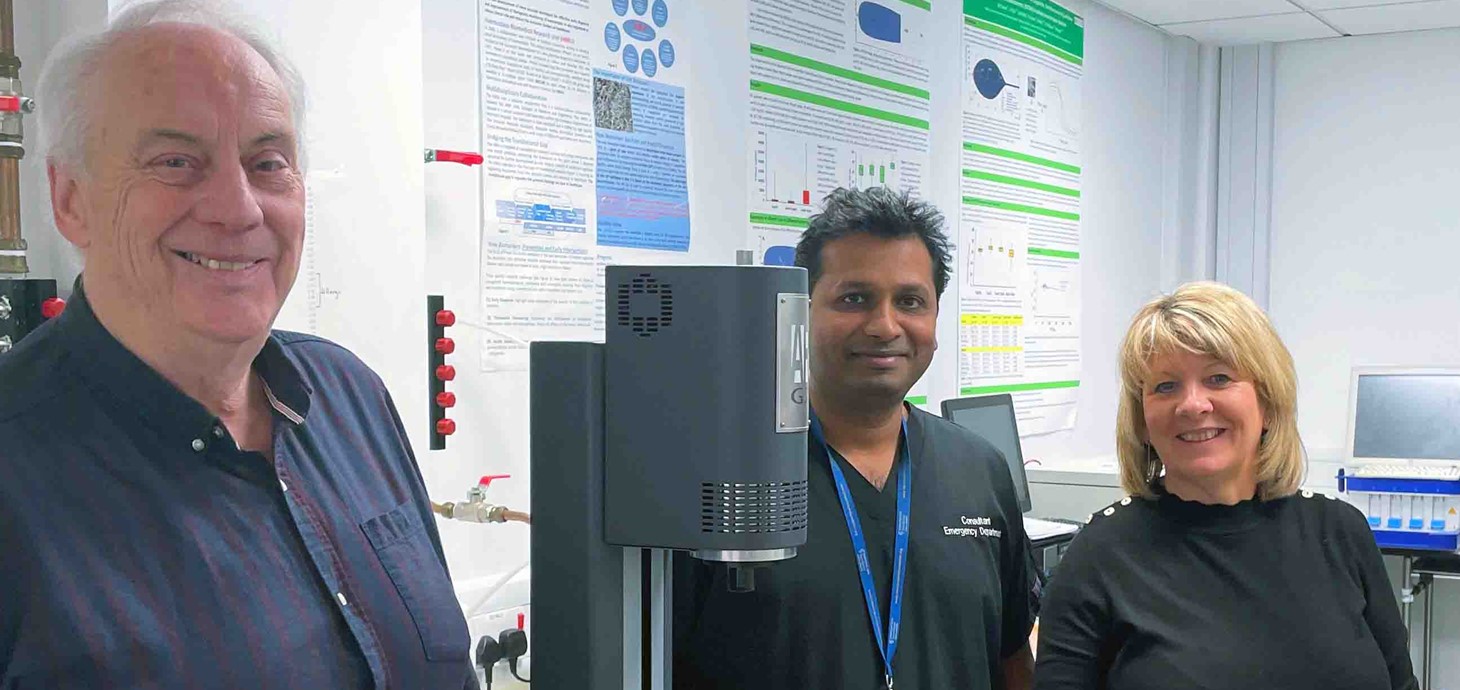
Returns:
<point x="189" y="499"/>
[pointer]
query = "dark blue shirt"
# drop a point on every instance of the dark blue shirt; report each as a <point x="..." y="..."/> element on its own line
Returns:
<point x="140" y="548"/>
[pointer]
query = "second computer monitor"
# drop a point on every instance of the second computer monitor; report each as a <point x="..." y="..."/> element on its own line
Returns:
<point x="1403" y="414"/>
<point x="992" y="417"/>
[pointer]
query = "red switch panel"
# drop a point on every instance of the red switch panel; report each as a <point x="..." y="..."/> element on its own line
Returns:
<point x="438" y="372"/>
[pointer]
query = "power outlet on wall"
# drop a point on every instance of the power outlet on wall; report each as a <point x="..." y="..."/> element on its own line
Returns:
<point x="494" y="622"/>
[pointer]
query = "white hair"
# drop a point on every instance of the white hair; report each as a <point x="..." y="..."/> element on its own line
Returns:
<point x="61" y="108"/>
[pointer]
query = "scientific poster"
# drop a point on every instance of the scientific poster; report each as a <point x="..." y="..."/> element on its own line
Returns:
<point x="583" y="132"/>
<point x="1019" y="220"/>
<point x="838" y="98"/>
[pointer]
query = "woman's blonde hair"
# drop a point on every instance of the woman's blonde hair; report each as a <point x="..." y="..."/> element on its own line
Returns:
<point x="1211" y="319"/>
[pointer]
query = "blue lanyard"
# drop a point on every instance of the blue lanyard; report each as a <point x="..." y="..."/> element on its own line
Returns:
<point x="859" y="544"/>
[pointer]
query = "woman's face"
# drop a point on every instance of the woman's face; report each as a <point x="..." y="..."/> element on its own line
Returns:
<point x="1205" y="422"/>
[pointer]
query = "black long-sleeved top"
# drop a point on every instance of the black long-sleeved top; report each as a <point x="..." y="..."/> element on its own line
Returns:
<point x="1166" y="593"/>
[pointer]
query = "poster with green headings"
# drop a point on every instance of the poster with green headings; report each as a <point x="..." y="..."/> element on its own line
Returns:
<point x="1019" y="217"/>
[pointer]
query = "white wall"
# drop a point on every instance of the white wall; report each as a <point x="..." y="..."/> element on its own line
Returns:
<point x="1364" y="229"/>
<point x="361" y="66"/>
<point x="1364" y="222"/>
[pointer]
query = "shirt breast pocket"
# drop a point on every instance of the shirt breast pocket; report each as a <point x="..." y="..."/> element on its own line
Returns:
<point x="405" y="551"/>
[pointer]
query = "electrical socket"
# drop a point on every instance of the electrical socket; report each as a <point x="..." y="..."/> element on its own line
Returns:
<point x="494" y="622"/>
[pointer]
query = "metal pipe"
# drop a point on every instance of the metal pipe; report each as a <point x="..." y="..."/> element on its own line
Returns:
<point x="9" y="201"/>
<point x="7" y="26"/>
<point x="1406" y="593"/>
<point x="1429" y="642"/>
<point x="12" y="244"/>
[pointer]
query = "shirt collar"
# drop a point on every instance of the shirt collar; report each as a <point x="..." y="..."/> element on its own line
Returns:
<point x="127" y="382"/>
<point x="916" y="427"/>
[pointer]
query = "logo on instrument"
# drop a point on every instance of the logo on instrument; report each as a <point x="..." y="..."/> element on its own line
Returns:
<point x="800" y="363"/>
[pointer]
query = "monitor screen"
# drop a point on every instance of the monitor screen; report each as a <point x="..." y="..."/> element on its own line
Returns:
<point x="995" y="423"/>
<point x="1407" y="416"/>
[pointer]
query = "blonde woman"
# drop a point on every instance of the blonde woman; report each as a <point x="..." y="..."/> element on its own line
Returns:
<point x="1217" y="572"/>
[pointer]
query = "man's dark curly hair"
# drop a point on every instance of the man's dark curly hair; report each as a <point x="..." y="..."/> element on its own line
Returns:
<point x="880" y="212"/>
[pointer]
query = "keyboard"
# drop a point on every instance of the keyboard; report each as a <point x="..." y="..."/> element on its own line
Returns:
<point x="1042" y="529"/>
<point x="1398" y="471"/>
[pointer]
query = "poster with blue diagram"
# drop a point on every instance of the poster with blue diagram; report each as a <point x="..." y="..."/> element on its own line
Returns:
<point x="643" y="188"/>
<point x="584" y="135"/>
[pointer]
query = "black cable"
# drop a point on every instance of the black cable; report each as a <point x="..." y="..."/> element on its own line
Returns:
<point x="512" y="666"/>
<point x="513" y="643"/>
<point x="489" y="652"/>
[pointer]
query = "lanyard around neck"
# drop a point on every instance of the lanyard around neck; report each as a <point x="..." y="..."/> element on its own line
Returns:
<point x="859" y="543"/>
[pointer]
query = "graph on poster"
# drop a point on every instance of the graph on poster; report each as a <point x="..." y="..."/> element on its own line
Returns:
<point x="1052" y="292"/>
<point x="994" y="254"/>
<point x="792" y="172"/>
<point x="870" y="168"/>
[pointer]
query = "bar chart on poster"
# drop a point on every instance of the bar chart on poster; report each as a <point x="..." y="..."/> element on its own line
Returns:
<point x="793" y="172"/>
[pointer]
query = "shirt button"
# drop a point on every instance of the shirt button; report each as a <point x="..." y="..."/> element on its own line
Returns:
<point x="198" y="445"/>
<point x="341" y="597"/>
<point x="218" y="432"/>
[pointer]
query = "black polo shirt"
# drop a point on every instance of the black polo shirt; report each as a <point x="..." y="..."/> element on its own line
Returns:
<point x="968" y="601"/>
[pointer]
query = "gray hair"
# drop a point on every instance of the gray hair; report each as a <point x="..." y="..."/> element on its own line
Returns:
<point x="62" y="118"/>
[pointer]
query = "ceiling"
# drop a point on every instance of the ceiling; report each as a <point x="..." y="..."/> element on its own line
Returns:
<point x="1237" y="22"/>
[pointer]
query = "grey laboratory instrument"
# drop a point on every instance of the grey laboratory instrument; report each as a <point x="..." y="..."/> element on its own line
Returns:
<point x="685" y="431"/>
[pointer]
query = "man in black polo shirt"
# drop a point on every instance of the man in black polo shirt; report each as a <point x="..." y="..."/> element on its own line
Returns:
<point x="878" y="263"/>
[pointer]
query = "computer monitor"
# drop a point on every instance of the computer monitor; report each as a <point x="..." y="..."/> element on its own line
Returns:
<point x="1404" y="414"/>
<point x="992" y="417"/>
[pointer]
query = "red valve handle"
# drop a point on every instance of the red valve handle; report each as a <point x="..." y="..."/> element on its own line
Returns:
<point x="486" y="480"/>
<point x="462" y="157"/>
